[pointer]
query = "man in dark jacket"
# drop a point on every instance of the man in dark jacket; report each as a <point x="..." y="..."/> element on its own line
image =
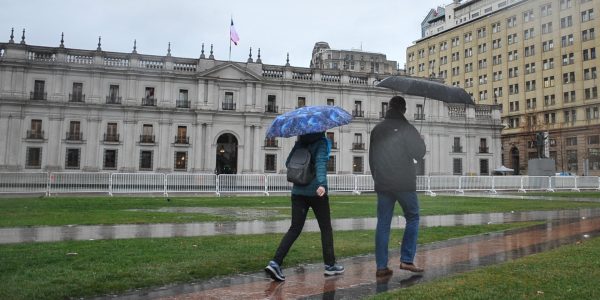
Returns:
<point x="395" y="145"/>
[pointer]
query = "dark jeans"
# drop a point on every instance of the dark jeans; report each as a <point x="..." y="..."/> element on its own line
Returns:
<point x="300" y="206"/>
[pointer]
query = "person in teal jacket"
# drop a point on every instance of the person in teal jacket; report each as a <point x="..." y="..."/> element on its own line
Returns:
<point x="313" y="195"/>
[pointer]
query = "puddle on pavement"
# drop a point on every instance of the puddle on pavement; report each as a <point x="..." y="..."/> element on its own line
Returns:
<point x="129" y="231"/>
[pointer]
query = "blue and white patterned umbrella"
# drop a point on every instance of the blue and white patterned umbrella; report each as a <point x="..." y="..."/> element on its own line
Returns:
<point x="308" y="119"/>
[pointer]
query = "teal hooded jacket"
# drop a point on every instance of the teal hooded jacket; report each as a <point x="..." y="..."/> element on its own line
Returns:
<point x="319" y="150"/>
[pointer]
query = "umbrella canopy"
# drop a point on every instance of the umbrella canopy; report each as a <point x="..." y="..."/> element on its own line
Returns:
<point x="426" y="88"/>
<point x="308" y="119"/>
<point x="503" y="169"/>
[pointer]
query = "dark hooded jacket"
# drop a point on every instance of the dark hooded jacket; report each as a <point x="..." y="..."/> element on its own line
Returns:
<point x="394" y="146"/>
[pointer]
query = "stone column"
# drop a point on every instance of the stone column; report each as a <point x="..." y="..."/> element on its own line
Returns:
<point x="197" y="147"/>
<point x="127" y="159"/>
<point x="55" y="135"/>
<point x="209" y="153"/>
<point x="245" y="150"/>
<point x="92" y="144"/>
<point x="164" y="149"/>
<point x="256" y="142"/>
<point x="249" y="93"/>
<point x="4" y="140"/>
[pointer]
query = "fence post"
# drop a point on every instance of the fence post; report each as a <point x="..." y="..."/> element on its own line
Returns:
<point x="493" y="190"/>
<point x="550" y="189"/>
<point x="110" y="185"/>
<point x="165" y="193"/>
<point x="522" y="189"/>
<point x="356" y="192"/>
<point x="266" y="187"/>
<point x="429" y="191"/>
<point x="218" y="182"/>
<point x="48" y="178"/>
<point x="460" y="190"/>
<point x="576" y="189"/>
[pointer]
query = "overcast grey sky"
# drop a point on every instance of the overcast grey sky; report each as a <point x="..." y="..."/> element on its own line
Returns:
<point x="276" y="27"/>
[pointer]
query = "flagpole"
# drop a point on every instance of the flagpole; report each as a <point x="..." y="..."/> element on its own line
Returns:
<point x="231" y="21"/>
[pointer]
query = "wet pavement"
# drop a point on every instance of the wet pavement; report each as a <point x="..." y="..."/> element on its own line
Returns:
<point x="439" y="259"/>
<point x="129" y="231"/>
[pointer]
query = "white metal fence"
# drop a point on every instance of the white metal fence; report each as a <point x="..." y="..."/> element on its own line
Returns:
<point x="124" y="183"/>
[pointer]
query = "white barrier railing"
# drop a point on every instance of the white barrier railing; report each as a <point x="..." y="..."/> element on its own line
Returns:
<point x="278" y="183"/>
<point x="137" y="183"/>
<point x="72" y="182"/>
<point x="341" y="183"/>
<point x="242" y="183"/>
<point x="191" y="183"/>
<point x="16" y="182"/>
<point x="79" y="183"/>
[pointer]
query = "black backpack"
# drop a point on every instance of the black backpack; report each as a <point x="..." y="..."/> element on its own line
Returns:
<point x="300" y="167"/>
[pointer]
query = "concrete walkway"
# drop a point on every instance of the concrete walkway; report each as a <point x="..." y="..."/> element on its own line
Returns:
<point x="359" y="281"/>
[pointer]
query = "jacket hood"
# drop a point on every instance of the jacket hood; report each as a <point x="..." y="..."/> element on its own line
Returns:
<point x="310" y="137"/>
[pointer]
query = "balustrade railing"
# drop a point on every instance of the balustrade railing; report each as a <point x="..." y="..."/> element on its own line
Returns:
<point x="113" y="99"/>
<point x="76" y="97"/>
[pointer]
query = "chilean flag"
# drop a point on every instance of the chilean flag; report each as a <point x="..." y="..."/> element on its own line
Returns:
<point x="233" y="34"/>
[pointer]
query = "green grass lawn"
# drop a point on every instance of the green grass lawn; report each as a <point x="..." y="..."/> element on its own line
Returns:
<point x="116" y="210"/>
<point x="569" y="272"/>
<point x="47" y="271"/>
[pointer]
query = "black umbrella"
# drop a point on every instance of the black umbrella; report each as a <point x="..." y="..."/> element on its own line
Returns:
<point x="426" y="88"/>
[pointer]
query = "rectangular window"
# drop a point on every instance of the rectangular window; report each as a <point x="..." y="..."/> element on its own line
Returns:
<point x="149" y="99"/>
<point x="457" y="166"/>
<point x="594" y="158"/>
<point x="270" y="163"/>
<point x="572" y="160"/>
<point x="182" y="101"/>
<point x="146" y="160"/>
<point x="110" y="159"/>
<point x="74" y="133"/>
<point x="228" y="103"/>
<point x="77" y="95"/>
<point x="357" y="164"/>
<point x="33" y="158"/>
<point x="113" y="95"/>
<point x="301" y="102"/>
<point x="72" y="159"/>
<point x="547" y="28"/>
<point x="182" y="137"/>
<point x="331" y="164"/>
<point x="111" y="134"/>
<point x="358" y="112"/>
<point x="271" y="106"/>
<point x="181" y="158"/>
<point x="566" y="22"/>
<point x="593" y="139"/>
<point x="39" y="90"/>
<point x="484" y="167"/>
<point x="147" y="134"/>
<point x="330" y="102"/>
<point x="588" y="34"/>
<point x="36" y="131"/>
<point x="456" y="147"/>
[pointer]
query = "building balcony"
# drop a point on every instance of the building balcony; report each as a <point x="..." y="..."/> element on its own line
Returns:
<point x="228" y="106"/>
<point x="111" y="138"/>
<point x="358" y="146"/>
<point x="74" y="136"/>
<point x="271" y="108"/>
<point x="457" y="149"/>
<point x="76" y="98"/>
<point x="382" y="114"/>
<point x="358" y="113"/>
<point x="113" y="100"/>
<point x="38" y="96"/>
<point x="182" y="103"/>
<point x="35" y="134"/>
<point x="271" y="143"/>
<point x="333" y="145"/>
<point x="419" y="116"/>
<point x="182" y="140"/>
<point x="147" y="138"/>
<point x="148" y="101"/>
<point x="483" y="149"/>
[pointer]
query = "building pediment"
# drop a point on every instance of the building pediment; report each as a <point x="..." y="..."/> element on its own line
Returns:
<point x="231" y="71"/>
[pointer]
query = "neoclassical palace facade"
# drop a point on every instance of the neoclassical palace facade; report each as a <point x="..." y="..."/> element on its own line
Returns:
<point x="67" y="109"/>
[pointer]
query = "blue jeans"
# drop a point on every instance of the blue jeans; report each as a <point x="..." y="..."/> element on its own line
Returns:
<point x="385" y="211"/>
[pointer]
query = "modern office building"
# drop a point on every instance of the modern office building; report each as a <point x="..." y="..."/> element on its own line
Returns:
<point x="65" y="109"/>
<point x="356" y="60"/>
<point x="536" y="59"/>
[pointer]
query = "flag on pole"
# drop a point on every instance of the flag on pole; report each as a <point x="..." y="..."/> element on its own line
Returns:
<point x="233" y="34"/>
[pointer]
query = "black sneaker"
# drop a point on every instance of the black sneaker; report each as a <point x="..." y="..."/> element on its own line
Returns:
<point x="274" y="271"/>
<point x="334" y="270"/>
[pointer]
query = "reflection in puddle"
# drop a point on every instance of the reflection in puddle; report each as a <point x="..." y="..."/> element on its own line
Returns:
<point x="129" y="231"/>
